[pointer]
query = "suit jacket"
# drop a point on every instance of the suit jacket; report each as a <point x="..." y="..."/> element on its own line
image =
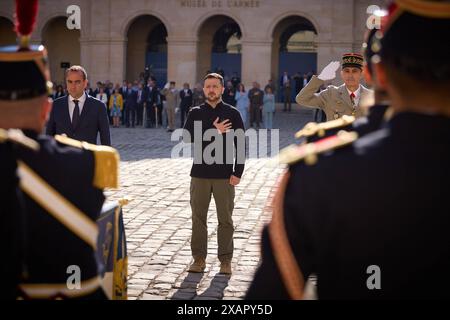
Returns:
<point x="131" y="101"/>
<point x="186" y="99"/>
<point x="151" y="96"/>
<point x="334" y="101"/>
<point x="282" y="78"/>
<point x="93" y="120"/>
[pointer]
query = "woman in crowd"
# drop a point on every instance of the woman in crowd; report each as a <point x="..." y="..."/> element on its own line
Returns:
<point x="268" y="108"/>
<point x="115" y="107"/>
<point x="242" y="102"/>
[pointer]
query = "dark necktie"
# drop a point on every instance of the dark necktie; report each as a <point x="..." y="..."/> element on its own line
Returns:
<point x="76" y="114"/>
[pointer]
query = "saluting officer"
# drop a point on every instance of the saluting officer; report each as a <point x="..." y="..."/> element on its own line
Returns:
<point x="381" y="230"/>
<point x="342" y="100"/>
<point x="377" y="112"/>
<point x="62" y="181"/>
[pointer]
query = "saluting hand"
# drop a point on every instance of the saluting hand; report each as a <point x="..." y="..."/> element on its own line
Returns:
<point x="329" y="72"/>
<point x="223" y="126"/>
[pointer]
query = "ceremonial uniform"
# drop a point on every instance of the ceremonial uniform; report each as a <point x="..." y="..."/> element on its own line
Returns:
<point x="10" y="222"/>
<point x="61" y="181"/>
<point x="375" y="118"/>
<point x="368" y="204"/>
<point x="335" y="101"/>
<point x="63" y="185"/>
<point x="12" y="233"/>
<point x="369" y="216"/>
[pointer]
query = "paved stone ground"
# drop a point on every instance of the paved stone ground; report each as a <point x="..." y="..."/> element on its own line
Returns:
<point x="158" y="219"/>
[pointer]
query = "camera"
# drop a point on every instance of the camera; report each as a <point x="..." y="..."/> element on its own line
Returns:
<point x="146" y="74"/>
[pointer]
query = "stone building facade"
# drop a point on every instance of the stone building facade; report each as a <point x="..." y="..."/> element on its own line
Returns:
<point x="117" y="38"/>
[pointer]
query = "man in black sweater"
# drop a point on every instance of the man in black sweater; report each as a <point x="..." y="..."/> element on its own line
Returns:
<point x="216" y="129"/>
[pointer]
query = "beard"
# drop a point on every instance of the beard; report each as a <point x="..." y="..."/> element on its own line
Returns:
<point x="213" y="98"/>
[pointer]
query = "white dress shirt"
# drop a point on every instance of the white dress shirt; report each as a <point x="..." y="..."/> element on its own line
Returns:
<point x="81" y="102"/>
<point x="357" y="94"/>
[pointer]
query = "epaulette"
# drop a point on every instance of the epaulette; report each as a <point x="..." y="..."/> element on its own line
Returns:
<point x="16" y="136"/>
<point x="309" y="152"/>
<point x="106" y="161"/>
<point x="313" y="128"/>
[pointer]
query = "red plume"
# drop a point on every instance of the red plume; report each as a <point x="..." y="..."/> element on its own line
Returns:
<point x="26" y="12"/>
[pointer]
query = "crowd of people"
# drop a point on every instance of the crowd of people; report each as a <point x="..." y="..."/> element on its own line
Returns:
<point x="138" y="104"/>
<point x="363" y="211"/>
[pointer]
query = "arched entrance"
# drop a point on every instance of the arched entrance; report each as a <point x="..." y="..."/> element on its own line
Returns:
<point x="63" y="46"/>
<point x="147" y="46"/>
<point x="8" y="36"/>
<point x="294" y="51"/>
<point x="219" y="47"/>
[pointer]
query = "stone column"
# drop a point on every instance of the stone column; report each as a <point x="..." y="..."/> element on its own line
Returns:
<point x="181" y="61"/>
<point x="256" y="61"/>
<point x="117" y="61"/>
<point x="95" y="59"/>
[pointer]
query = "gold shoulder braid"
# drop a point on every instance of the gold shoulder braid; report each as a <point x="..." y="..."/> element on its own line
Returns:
<point x="313" y="128"/>
<point x="309" y="152"/>
<point x="106" y="161"/>
<point x="16" y="136"/>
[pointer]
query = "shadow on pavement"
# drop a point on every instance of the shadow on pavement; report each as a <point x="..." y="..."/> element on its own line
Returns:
<point x="216" y="288"/>
<point x="188" y="288"/>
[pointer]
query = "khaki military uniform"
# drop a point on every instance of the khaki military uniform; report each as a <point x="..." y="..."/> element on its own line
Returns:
<point x="334" y="101"/>
<point x="171" y="104"/>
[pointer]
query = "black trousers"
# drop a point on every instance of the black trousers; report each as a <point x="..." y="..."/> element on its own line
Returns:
<point x="184" y="112"/>
<point x="139" y="114"/>
<point x="255" y="115"/>
<point x="131" y="116"/>
<point x="150" y="116"/>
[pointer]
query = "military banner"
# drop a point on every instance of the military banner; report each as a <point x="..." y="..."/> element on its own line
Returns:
<point x="112" y="251"/>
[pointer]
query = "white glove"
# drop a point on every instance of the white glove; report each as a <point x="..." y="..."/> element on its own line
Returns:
<point x="329" y="72"/>
<point x="167" y="85"/>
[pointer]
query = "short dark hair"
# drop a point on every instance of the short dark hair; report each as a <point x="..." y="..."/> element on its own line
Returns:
<point x="77" y="69"/>
<point x="172" y="82"/>
<point x="214" y="76"/>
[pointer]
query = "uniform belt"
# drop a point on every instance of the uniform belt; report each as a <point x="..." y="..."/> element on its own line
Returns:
<point x="52" y="290"/>
<point x="57" y="205"/>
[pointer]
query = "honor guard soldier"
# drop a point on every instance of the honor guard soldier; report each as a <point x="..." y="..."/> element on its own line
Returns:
<point x="337" y="101"/>
<point x="380" y="229"/>
<point x="62" y="182"/>
<point x="376" y="114"/>
<point x="12" y="223"/>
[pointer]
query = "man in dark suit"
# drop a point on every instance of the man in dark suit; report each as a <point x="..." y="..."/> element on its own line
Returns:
<point x="78" y="115"/>
<point x="186" y="102"/>
<point x="131" y="105"/>
<point x="151" y="99"/>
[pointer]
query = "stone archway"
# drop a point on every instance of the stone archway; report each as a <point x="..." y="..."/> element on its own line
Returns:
<point x="219" y="46"/>
<point x="63" y="45"/>
<point x="146" y="46"/>
<point x="294" y="50"/>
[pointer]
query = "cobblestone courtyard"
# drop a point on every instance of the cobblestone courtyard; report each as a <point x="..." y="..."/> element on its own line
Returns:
<point x="158" y="219"/>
